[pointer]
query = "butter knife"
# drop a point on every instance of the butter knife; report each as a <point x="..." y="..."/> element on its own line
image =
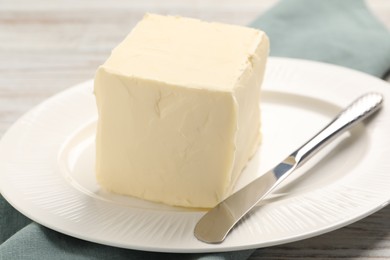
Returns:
<point x="215" y="225"/>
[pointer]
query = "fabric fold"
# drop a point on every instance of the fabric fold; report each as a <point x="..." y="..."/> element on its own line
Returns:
<point x="344" y="33"/>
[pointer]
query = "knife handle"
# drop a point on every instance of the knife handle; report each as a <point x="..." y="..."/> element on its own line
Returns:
<point x="214" y="226"/>
<point x="358" y="110"/>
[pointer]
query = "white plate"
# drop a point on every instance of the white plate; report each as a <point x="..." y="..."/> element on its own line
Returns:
<point x="47" y="158"/>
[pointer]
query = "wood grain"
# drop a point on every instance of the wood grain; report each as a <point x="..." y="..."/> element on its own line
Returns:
<point x="47" y="46"/>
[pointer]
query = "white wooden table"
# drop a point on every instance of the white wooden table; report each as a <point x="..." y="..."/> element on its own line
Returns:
<point x="49" y="45"/>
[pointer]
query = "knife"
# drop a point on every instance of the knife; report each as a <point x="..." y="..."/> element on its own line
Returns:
<point x="216" y="224"/>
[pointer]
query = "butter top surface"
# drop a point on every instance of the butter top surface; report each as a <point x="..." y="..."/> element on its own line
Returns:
<point x="186" y="52"/>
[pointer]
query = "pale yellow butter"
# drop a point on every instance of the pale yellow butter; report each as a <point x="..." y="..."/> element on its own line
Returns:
<point x="178" y="105"/>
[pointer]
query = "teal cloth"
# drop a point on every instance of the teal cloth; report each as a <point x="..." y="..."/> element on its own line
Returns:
<point x="342" y="32"/>
<point x="333" y="31"/>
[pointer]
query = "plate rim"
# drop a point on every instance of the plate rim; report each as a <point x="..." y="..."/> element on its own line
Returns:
<point x="325" y="229"/>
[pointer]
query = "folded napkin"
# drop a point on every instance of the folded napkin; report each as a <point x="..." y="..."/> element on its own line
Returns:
<point x="339" y="32"/>
<point x="334" y="31"/>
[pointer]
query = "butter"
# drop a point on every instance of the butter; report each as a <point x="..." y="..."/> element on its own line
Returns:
<point x="178" y="105"/>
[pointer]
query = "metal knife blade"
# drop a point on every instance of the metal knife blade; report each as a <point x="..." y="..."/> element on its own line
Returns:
<point x="215" y="225"/>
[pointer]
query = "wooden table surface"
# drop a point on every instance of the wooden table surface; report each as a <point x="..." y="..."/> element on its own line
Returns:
<point x="49" y="45"/>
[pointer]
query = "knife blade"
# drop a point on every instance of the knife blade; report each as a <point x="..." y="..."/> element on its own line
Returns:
<point x="215" y="225"/>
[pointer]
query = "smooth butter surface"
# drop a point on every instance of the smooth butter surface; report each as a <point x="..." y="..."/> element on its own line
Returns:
<point x="185" y="52"/>
<point x="178" y="104"/>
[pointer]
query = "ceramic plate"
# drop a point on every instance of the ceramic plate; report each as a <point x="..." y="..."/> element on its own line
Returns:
<point x="47" y="168"/>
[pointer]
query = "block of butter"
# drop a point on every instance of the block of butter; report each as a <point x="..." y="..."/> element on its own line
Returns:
<point x="178" y="107"/>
